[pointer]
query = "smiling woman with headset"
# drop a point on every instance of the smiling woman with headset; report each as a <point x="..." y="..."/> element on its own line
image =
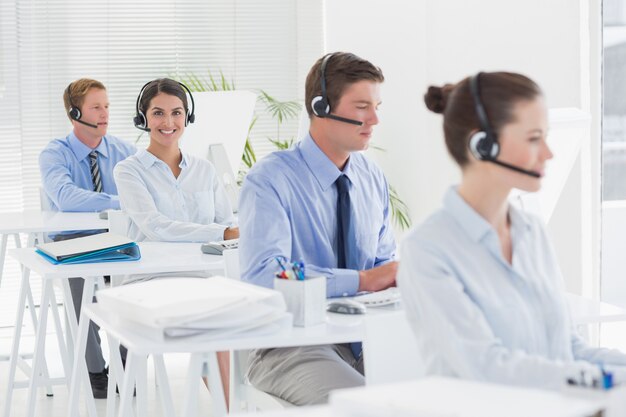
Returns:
<point x="481" y="283"/>
<point x="169" y="195"/>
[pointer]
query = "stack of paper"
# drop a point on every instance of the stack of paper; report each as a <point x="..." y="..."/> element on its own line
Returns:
<point x="196" y="307"/>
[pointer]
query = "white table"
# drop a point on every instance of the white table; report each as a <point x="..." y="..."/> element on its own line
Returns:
<point x="156" y="257"/>
<point x="35" y="223"/>
<point x="588" y="311"/>
<point x="338" y="328"/>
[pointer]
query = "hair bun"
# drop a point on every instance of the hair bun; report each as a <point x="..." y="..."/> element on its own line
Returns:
<point x="436" y="98"/>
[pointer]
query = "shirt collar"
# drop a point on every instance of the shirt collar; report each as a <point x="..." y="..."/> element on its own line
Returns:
<point x="474" y="224"/>
<point x="323" y="169"/>
<point x="147" y="159"/>
<point x="82" y="151"/>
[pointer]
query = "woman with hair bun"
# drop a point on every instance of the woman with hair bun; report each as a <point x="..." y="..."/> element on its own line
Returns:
<point x="482" y="286"/>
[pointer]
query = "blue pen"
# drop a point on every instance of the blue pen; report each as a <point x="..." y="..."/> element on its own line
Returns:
<point x="298" y="269"/>
<point x="302" y="269"/>
<point x="279" y="259"/>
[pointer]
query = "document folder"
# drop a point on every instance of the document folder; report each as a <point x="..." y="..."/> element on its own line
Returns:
<point x="103" y="247"/>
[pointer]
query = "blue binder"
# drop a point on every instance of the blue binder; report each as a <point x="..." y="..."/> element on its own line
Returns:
<point x="105" y="247"/>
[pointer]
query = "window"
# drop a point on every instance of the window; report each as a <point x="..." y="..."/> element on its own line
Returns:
<point x="46" y="44"/>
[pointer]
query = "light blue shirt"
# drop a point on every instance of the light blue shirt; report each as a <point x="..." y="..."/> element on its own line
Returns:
<point x="66" y="174"/>
<point x="478" y="317"/>
<point x="191" y="208"/>
<point x="288" y="207"/>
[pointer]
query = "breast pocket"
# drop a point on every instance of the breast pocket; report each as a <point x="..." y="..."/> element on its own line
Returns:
<point x="203" y="207"/>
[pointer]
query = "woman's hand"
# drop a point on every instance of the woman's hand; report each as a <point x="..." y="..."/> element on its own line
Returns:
<point x="231" y="233"/>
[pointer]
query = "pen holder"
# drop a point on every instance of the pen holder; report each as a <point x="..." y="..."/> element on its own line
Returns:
<point x="305" y="299"/>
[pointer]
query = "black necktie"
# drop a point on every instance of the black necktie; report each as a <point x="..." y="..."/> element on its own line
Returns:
<point x="346" y="241"/>
<point x="95" y="171"/>
<point x="344" y="226"/>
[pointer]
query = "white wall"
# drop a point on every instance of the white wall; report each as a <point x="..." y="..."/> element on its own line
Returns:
<point x="433" y="42"/>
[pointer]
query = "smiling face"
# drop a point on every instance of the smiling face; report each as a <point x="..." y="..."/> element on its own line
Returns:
<point x="166" y="119"/>
<point x="94" y="110"/>
<point x="523" y="144"/>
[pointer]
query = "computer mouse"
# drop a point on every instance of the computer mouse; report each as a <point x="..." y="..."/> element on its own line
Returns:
<point x="346" y="306"/>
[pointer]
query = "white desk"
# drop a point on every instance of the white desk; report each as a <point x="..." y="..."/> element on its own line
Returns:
<point x="439" y="396"/>
<point x="35" y="223"/>
<point x="337" y="329"/>
<point x="155" y="257"/>
<point x="587" y="311"/>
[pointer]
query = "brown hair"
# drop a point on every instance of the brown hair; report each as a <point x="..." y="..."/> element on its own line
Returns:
<point x="499" y="93"/>
<point x="78" y="90"/>
<point x="162" y="85"/>
<point x="342" y="69"/>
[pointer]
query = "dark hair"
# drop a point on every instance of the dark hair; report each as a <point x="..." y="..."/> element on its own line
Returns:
<point x="78" y="90"/>
<point x="162" y="85"/>
<point x="342" y="69"/>
<point x="499" y="93"/>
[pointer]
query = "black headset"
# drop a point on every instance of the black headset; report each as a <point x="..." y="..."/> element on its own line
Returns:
<point x="74" y="111"/>
<point x="320" y="104"/>
<point x="140" y="120"/>
<point x="484" y="143"/>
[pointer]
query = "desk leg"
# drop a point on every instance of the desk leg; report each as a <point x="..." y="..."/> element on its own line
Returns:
<point x="142" y="385"/>
<point x="70" y="315"/>
<point x="66" y="359"/>
<point x="17" y="335"/>
<point x="116" y="372"/>
<point x="40" y="347"/>
<point x="3" y="252"/>
<point x="164" y="385"/>
<point x="194" y="374"/>
<point x="126" y="389"/>
<point x="79" y="375"/>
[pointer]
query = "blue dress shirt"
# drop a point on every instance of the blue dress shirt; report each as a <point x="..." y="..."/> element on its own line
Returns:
<point x="288" y="207"/>
<point x="66" y="175"/>
<point x="478" y="317"/>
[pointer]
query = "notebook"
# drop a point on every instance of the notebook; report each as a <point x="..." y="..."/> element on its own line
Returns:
<point x="103" y="247"/>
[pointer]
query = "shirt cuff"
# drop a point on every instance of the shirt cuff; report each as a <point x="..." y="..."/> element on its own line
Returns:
<point x="345" y="282"/>
<point x="115" y="202"/>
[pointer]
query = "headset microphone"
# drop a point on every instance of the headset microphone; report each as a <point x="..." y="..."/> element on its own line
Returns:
<point x="74" y="112"/>
<point x="484" y="144"/>
<point x="320" y="104"/>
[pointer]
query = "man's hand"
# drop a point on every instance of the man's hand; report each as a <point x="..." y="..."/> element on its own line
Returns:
<point x="379" y="278"/>
<point x="231" y="233"/>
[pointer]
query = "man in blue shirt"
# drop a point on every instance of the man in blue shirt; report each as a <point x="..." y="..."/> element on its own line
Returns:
<point x="77" y="175"/>
<point x="326" y="204"/>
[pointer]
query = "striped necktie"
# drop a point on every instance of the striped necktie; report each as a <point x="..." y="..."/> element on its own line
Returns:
<point x="95" y="172"/>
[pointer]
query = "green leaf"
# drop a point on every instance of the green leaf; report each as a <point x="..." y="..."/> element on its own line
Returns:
<point x="399" y="210"/>
<point x="282" y="144"/>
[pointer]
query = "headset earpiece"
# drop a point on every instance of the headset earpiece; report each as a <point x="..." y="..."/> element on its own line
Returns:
<point x="74" y="113"/>
<point x="320" y="106"/>
<point x="482" y="148"/>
